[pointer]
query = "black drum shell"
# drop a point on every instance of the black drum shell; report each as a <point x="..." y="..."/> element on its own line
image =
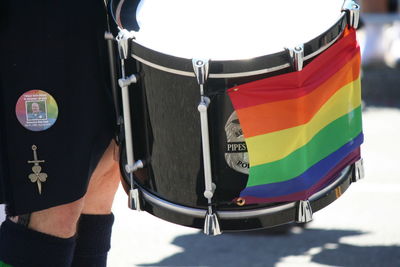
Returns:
<point x="167" y="137"/>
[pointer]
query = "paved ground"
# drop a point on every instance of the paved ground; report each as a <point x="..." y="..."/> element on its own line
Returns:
<point x="359" y="229"/>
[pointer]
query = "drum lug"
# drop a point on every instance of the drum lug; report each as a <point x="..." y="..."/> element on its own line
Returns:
<point x="304" y="212"/>
<point x="135" y="199"/>
<point x="210" y="192"/>
<point x="211" y="224"/>
<point x="123" y="40"/>
<point x="297" y="57"/>
<point x="358" y="171"/>
<point x="139" y="164"/>
<point x="201" y="69"/>
<point x="353" y="13"/>
<point x="134" y="202"/>
<point x="125" y="82"/>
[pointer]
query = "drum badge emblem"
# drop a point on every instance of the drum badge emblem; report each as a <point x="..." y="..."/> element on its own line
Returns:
<point x="236" y="155"/>
<point x="37" y="176"/>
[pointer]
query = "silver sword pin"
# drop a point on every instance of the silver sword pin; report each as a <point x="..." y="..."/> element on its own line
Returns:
<point x="37" y="176"/>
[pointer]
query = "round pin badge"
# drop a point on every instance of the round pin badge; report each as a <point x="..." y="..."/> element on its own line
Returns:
<point x="36" y="110"/>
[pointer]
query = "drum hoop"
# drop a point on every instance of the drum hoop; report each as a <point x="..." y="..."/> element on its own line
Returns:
<point x="345" y="175"/>
<point x="323" y="42"/>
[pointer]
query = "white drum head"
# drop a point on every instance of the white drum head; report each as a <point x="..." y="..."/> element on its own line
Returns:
<point x="231" y="29"/>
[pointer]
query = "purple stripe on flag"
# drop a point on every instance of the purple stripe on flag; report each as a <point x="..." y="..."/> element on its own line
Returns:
<point x="305" y="181"/>
<point x="303" y="195"/>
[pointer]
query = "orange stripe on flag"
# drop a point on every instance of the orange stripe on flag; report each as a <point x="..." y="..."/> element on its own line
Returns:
<point x="294" y="112"/>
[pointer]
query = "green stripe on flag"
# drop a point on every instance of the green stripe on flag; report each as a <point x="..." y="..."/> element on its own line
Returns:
<point x="325" y="142"/>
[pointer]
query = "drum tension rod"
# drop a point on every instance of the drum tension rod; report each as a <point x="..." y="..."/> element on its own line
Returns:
<point x="304" y="211"/>
<point x="211" y="223"/>
<point x="353" y="13"/>
<point x="132" y="165"/>
<point x="124" y="37"/>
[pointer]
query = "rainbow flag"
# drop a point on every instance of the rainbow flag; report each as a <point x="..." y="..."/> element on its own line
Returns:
<point x="302" y="128"/>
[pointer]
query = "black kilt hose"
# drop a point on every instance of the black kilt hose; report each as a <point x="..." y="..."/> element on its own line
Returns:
<point x="56" y="110"/>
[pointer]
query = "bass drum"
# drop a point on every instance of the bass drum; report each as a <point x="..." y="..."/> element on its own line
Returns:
<point x="244" y="43"/>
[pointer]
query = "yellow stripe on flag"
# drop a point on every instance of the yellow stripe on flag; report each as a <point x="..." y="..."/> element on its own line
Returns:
<point x="277" y="145"/>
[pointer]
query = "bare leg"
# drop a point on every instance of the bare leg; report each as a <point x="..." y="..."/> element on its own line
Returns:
<point x="58" y="221"/>
<point x="95" y="224"/>
<point x="61" y="221"/>
<point x="49" y="239"/>
<point x="103" y="184"/>
<point x="55" y="229"/>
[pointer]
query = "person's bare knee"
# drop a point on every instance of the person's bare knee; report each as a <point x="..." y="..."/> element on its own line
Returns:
<point x="103" y="183"/>
<point x="61" y="221"/>
<point x="58" y="221"/>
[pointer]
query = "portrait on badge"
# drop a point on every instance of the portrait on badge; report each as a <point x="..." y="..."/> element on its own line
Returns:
<point x="36" y="110"/>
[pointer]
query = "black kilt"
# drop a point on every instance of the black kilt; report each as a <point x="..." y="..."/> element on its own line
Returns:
<point x="56" y="46"/>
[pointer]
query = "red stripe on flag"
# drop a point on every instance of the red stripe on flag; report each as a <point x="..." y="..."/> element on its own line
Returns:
<point x="294" y="112"/>
<point x="296" y="84"/>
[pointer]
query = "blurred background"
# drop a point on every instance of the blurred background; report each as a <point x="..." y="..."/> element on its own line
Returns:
<point x="359" y="229"/>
